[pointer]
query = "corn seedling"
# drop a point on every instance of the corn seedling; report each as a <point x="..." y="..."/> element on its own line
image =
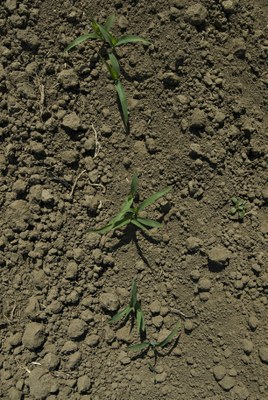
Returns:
<point x="153" y="345"/>
<point x="239" y="208"/>
<point x="129" y="214"/>
<point x="103" y="33"/>
<point x="133" y="308"/>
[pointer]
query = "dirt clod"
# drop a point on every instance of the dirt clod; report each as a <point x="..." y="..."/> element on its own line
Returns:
<point x="71" y="121"/>
<point x="219" y="372"/>
<point x="196" y="14"/>
<point x="219" y="256"/>
<point x="76" y="329"/>
<point x="227" y="383"/>
<point x="84" y="384"/>
<point x="109" y="301"/>
<point x="263" y="354"/>
<point x="68" y="78"/>
<point x="42" y="384"/>
<point x="34" y="336"/>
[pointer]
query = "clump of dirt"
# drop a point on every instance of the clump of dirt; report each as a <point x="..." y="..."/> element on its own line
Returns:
<point x="198" y="102"/>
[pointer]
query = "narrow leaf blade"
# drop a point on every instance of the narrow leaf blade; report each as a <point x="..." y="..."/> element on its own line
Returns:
<point x="123" y="101"/>
<point x="124" y="209"/>
<point x="139" y="225"/>
<point x="120" y="315"/>
<point x="107" y="228"/>
<point x="140" y="321"/>
<point x="139" y="346"/>
<point x="134" y="185"/>
<point x="154" y="197"/>
<point x="80" y="39"/>
<point x="110" y="69"/>
<point x="123" y="222"/>
<point x="131" y="39"/>
<point x="115" y="65"/>
<point x="114" y="225"/>
<point x="109" y="22"/>
<point x="149" y="222"/>
<point x="107" y="37"/>
<point x="170" y="337"/>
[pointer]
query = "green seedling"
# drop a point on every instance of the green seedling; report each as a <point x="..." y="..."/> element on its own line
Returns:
<point x="130" y="214"/>
<point x="114" y="70"/>
<point x="239" y="208"/>
<point x="133" y="308"/>
<point x="103" y="33"/>
<point x="153" y="345"/>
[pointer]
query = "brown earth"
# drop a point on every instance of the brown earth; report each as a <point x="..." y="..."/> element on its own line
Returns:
<point x="198" y="121"/>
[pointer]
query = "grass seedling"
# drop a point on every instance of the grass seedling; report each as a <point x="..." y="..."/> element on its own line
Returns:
<point x="238" y="209"/>
<point x="129" y="214"/>
<point x="103" y="33"/>
<point x="133" y="308"/>
<point x="153" y="345"/>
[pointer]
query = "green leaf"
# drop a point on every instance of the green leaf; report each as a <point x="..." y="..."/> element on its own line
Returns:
<point x="123" y="101"/>
<point x="107" y="228"/>
<point x="95" y="27"/>
<point x="81" y="39"/>
<point x="241" y="214"/>
<point x="170" y="337"/>
<point x="113" y="73"/>
<point x="120" y="315"/>
<point x="139" y="225"/>
<point x="139" y="346"/>
<point x="124" y="210"/>
<point x="151" y="367"/>
<point x="134" y="185"/>
<point x="234" y="200"/>
<point x="140" y="321"/>
<point x="109" y="22"/>
<point x="233" y="210"/>
<point x="153" y="198"/>
<point x="114" y="225"/>
<point x="149" y="222"/>
<point x="133" y="300"/>
<point x="115" y="65"/>
<point x="107" y="37"/>
<point x="131" y="39"/>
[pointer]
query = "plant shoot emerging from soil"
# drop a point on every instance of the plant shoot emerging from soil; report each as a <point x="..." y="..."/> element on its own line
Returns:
<point x="130" y="214"/>
<point x="153" y="345"/>
<point x="133" y="308"/>
<point x="239" y="208"/>
<point x="110" y="42"/>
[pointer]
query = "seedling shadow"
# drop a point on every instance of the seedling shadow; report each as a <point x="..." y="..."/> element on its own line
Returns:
<point x="130" y="236"/>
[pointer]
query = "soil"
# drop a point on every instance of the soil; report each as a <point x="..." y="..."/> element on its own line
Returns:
<point x="198" y="122"/>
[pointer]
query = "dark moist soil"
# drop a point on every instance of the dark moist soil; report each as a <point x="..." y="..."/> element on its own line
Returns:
<point x="198" y="121"/>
